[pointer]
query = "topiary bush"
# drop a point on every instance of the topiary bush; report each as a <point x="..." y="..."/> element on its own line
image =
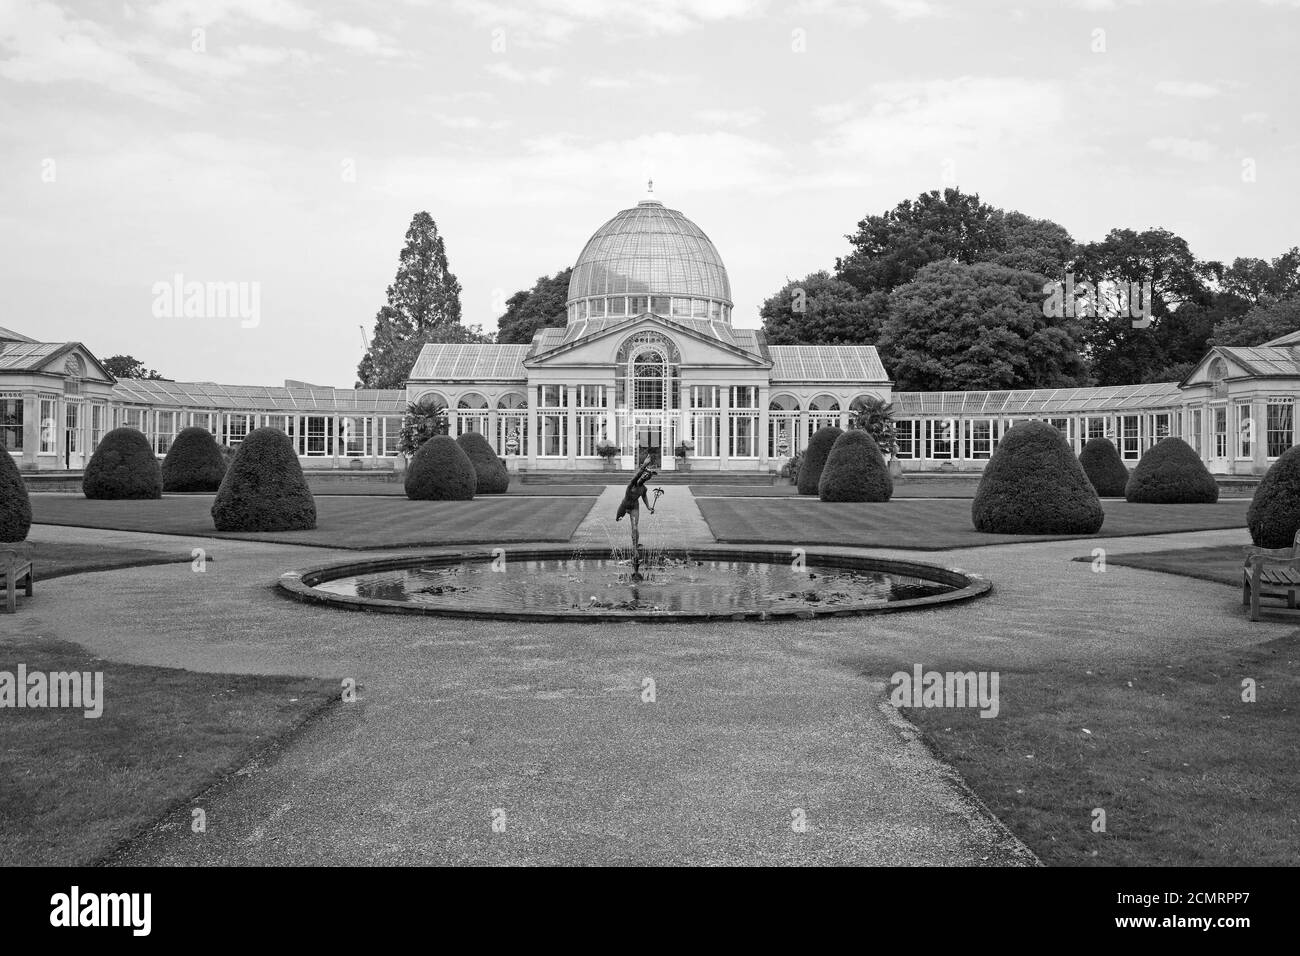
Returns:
<point x="1033" y="484"/>
<point x="15" y="506"/>
<point x="123" y="467"/>
<point x="194" y="462"/>
<point x="855" y="470"/>
<point x="1172" y="473"/>
<point x="264" y="488"/>
<point x="492" y="477"/>
<point x="1104" y="468"/>
<point x="814" y="458"/>
<point x="1274" y="514"/>
<point x="441" y="471"/>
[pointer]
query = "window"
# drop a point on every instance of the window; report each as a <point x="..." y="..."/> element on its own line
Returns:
<point x="618" y="306"/>
<point x="744" y="396"/>
<point x="11" y="423"/>
<point x="49" y="428"/>
<point x="941" y="435"/>
<point x="134" y="418"/>
<point x="392" y="428"/>
<point x="166" y="425"/>
<point x="1130" y="437"/>
<point x="906" y="433"/>
<point x="237" y="426"/>
<point x="1281" y="425"/>
<point x="979" y="439"/>
<point x="354" y="436"/>
<point x="1095" y="426"/>
<point x="1245" y="432"/>
<point x="715" y="311"/>
<point x="637" y="305"/>
<point x="706" y="422"/>
<point x="551" y="435"/>
<point x="596" y="308"/>
<point x="591" y="396"/>
<point x="316" y="434"/>
<point x="700" y="308"/>
<point x="1221" y="432"/>
<point x="659" y="305"/>
<point x="1161" y="426"/>
<point x="1195" y="439"/>
<point x="744" y="435"/>
<point x="98" y="421"/>
<point x="682" y="307"/>
<point x="551" y="396"/>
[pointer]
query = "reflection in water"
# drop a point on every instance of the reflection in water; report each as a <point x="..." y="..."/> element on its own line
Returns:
<point x="603" y="584"/>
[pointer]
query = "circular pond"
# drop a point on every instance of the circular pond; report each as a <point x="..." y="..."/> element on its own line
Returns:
<point x="562" y="584"/>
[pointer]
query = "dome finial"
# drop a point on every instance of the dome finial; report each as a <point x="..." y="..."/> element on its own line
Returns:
<point x="650" y="189"/>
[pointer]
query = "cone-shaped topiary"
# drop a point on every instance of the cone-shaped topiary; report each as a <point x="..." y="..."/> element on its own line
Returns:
<point x="855" y="470"/>
<point x="493" y="479"/>
<point x="264" y="488"/>
<point x="1033" y="484"/>
<point x="1274" y="514"/>
<point x="1172" y="473"/>
<point x="123" y="466"/>
<point x="194" y="462"/>
<point x="15" y="506"/>
<point x="814" y="458"/>
<point x="1104" y="468"/>
<point x="440" y="471"/>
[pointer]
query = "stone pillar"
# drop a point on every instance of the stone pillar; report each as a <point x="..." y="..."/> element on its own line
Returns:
<point x="611" y="416"/>
<point x="494" y="433"/>
<point x="532" y="429"/>
<point x="724" y="427"/>
<point x="571" y="429"/>
<point x="764" y="426"/>
<point x="800" y="442"/>
<point x="1259" y="447"/>
<point x="31" y="429"/>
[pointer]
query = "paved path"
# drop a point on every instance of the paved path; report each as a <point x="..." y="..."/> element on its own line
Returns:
<point x="676" y="523"/>
<point x="546" y="724"/>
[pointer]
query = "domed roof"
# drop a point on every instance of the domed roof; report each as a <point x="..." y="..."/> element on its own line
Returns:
<point x="650" y="250"/>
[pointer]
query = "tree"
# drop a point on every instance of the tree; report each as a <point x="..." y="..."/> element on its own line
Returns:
<point x="128" y="366"/>
<point x="1034" y="245"/>
<point x="424" y="419"/>
<point x="423" y="307"/>
<point x="889" y="249"/>
<point x="1258" y="282"/>
<point x="1171" y="472"/>
<point x="492" y="477"/>
<point x="855" y="470"/>
<point x="1261" y="324"/>
<point x="441" y="471"/>
<point x="876" y="418"/>
<point x="540" y="307"/>
<point x="194" y="462"/>
<point x="822" y="310"/>
<point x="1104" y="467"/>
<point x="1274" y="514"/>
<point x="1121" y="354"/>
<point x="1033" y="484"/>
<point x="814" y="458"/>
<point x="15" y="505"/>
<point x="264" y="488"/>
<point x="123" y="467"/>
<point x="958" y="327"/>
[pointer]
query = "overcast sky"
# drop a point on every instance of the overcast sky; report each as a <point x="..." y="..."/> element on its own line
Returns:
<point x="293" y="146"/>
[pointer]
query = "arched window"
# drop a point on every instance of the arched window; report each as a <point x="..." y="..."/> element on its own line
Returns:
<point x="825" y="403"/>
<point x="649" y="373"/>
<point x="472" y="400"/>
<point x="512" y="400"/>
<point x="783" y="403"/>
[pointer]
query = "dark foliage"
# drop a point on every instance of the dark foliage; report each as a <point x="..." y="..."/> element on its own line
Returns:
<point x="15" y="507"/>
<point x="814" y="458"/>
<point x="1274" y="514"/>
<point x="264" y="488"/>
<point x="1033" y="484"/>
<point x="855" y="470"/>
<point x="1172" y="473"/>
<point x="1104" y="468"/>
<point x="441" y="471"/>
<point x="194" y="462"/>
<point x="123" y="466"/>
<point x="493" y="479"/>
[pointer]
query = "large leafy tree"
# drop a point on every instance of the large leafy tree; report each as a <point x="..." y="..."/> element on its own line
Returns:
<point x="423" y="306"/>
<point x="821" y="310"/>
<point x="1121" y="353"/>
<point x="889" y="249"/>
<point x="1261" y="324"/>
<point x="1034" y="245"/>
<point x="537" y="308"/>
<point x="128" y="366"/>
<point x="956" y="327"/>
<point x="1259" y="281"/>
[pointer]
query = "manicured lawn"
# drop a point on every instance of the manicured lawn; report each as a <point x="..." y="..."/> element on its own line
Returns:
<point x="73" y="788"/>
<point x="343" y="486"/>
<point x="1186" y="772"/>
<point x="342" y="522"/>
<point x="1221" y="563"/>
<point x="930" y="525"/>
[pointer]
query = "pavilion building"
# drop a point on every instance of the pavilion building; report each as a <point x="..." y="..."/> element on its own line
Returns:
<point x="648" y="360"/>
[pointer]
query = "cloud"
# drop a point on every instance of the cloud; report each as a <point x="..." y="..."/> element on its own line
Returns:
<point x="737" y="118"/>
<point x="1189" y="89"/>
<point x="550" y="22"/>
<point x="1256" y="116"/>
<point x="625" y="81"/>
<point x="913" y="9"/>
<point x="359" y="39"/>
<point x="1194" y="150"/>
<point x="903" y="123"/>
<point x="512" y="74"/>
<point x="471" y="122"/>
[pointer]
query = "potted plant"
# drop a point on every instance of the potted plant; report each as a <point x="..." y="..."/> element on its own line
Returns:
<point x="682" y="452"/>
<point x="608" y="451"/>
<point x="789" y="472"/>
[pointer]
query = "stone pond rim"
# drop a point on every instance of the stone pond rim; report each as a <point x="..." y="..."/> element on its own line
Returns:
<point x="301" y="584"/>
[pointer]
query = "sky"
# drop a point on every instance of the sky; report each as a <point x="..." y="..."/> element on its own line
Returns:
<point x="285" y="145"/>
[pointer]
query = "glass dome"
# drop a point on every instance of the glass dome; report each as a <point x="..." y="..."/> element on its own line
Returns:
<point x="651" y="251"/>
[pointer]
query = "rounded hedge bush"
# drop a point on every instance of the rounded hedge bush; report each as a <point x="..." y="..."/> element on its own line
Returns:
<point x="440" y="471"/>
<point x="1033" y="484"/>
<point x="1104" y="468"/>
<point x="492" y="477"/>
<point x="194" y="462"/>
<point x="1172" y="473"/>
<point x="123" y="467"/>
<point x="15" y="506"/>
<point x="814" y="458"/>
<point x="1274" y="514"/>
<point x="855" y="470"/>
<point x="264" y="488"/>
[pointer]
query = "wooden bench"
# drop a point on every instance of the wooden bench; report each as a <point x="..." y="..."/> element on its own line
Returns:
<point x="14" y="569"/>
<point x="1271" y="572"/>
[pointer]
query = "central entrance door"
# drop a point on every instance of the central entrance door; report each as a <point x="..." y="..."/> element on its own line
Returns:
<point x="649" y="441"/>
